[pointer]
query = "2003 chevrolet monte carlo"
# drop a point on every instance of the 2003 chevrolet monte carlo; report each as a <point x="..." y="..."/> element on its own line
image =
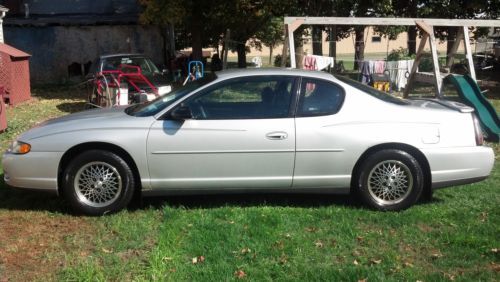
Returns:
<point x="272" y="130"/>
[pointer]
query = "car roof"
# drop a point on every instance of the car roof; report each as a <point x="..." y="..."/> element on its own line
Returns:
<point x="273" y="71"/>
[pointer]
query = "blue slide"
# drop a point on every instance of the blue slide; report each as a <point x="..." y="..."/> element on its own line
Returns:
<point x="471" y="94"/>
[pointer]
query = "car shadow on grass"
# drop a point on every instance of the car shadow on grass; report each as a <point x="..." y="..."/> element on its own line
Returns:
<point x="249" y="200"/>
<point x="259" y="199"/>
<point x="19" y="200"/>
<point x="29" y="200"/>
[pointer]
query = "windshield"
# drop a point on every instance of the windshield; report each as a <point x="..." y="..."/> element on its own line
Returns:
<point x="146" y="65"/>
<point x="160" y="103"/>
<point x="372" y="91"/>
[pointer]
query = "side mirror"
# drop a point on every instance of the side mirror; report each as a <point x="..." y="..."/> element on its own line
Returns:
<point x="181" y="113"/>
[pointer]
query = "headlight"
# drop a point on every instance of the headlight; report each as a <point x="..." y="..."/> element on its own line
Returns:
<point x="18" y="147"/>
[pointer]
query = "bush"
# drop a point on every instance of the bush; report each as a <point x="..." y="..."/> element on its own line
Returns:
<point x="399" y="54"/>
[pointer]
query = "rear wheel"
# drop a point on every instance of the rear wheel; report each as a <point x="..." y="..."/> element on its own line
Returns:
<point x="98" y="182"/>
<point x="390" y="180"/>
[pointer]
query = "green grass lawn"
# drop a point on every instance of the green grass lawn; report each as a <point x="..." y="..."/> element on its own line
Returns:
<point x="453" y="237"/>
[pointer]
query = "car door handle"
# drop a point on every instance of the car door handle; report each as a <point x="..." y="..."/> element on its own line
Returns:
<point x="277" y="135"/>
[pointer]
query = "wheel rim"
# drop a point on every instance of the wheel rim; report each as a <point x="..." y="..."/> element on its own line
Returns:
<point x="390" y="182"/>
<point x="98" y="184"/>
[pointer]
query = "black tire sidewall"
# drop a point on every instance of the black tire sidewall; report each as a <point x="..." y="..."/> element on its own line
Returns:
<point x="126" y="174"/>
<point x="384" y="155"/>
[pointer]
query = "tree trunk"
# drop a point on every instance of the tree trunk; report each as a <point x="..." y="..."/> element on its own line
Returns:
<point x="412" y="40"/>
<point x="271" y="55"/>
<point x="317" y="37"/>
<point x="196" y="34"/>
<point x="242" y="55"/>
<point x="359" y="49"/>
<point x="333" y="43"/>
<point x="452" y="35"/>
<point x="412" y="30"/>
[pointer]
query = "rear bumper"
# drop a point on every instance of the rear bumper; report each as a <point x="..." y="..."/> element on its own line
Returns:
<point x="457" y="166"/>
<point x="34" y="171"/>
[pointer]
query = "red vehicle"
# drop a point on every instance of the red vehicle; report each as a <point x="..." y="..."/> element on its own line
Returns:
<point x="121" y="79"/>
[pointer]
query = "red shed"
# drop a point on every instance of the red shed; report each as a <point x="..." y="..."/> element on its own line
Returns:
<point x="15" y="74"/>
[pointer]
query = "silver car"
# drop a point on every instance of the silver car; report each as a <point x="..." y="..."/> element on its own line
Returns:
<point x="272" y="130"/>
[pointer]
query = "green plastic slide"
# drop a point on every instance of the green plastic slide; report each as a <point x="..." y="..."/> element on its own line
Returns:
<point x="471" y="94"/>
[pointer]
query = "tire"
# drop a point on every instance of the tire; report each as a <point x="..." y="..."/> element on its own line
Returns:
<point x="390" y="180"/>
<point x="98" y="182"/>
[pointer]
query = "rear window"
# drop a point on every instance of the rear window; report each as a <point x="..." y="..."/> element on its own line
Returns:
<point x="372" y="91"/>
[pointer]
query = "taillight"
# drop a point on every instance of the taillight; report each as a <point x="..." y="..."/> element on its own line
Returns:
<point x="478" y="131"/>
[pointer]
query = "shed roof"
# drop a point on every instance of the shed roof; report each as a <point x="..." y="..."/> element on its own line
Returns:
<point x="13" y="52"/>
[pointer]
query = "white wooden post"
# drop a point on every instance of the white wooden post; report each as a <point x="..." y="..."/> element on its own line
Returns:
<point x="291" y="46"/>
<point x="468" y="52"/>
<point x="3" y="11"/>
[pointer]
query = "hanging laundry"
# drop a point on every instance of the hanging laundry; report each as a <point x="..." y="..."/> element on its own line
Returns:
<point x="309" y="63"/>
<point x="323" y="62"/>
<point x="379" y="67"/>
<point x="365" y="72"/>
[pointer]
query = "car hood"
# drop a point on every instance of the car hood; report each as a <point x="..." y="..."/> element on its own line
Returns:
<point x="97" y="118"/>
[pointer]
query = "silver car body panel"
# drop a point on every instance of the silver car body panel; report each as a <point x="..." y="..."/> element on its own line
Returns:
<point x="283" y="154"/>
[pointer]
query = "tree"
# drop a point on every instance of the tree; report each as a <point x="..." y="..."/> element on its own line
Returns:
<point x="459" y="9"/>
<point x="271" y="35"/>
<point x="366" y="8"/>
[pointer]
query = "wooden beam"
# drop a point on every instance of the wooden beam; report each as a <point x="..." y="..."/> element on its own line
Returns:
<point x="414" y="68"/>
<point x="295" y="24"/>
<point x="468" y="52"/>
<point x="425" y="27"/>
<point x="437" y="73"/>
<point x="284" y="54"/>
<point x="291" y="46"/>
<point x="391" y="21"/>
<point x="454" y="48"/>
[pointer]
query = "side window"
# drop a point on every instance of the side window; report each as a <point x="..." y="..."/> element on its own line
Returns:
<point x="244" y="98"/>
<point x="319" y="98"/>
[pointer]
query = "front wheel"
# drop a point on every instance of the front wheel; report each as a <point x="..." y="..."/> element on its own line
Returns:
<point x="97" y="182"/>
<point x="390" y="180"/>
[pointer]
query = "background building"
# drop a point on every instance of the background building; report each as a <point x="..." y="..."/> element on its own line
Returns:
<point x="65" y="36"/>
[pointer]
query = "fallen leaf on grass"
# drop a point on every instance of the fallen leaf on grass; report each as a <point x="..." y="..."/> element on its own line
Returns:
<point x="483" y="217"/>
<point x="199" y="259"/>
<point x="407" y="264"/>
<point x="436" y="255"/>
<point x="240" y="274"/>
<point x="360" y="239"/>
<point x="167" y="259"/>
<point x="245" y="251"/>
<point x="319" y="244"/>
<point x="107" y="251"/>
<point x="451" y="277"/>
<point x="494" y="266"/>
<point x="355" y="262"/>
<point x="283" y="259"/>
<point x="363" y="280"/>
<point x="311" y="229"/>
<point x="495" y="251"/>
<point x="375" y="261"/>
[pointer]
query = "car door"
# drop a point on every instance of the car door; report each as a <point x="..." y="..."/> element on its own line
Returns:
<point x="321" y="149"/>
<point x="241" y="135"/>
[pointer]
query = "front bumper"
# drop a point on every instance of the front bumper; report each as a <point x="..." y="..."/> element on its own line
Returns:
<point x="35" y="170"/>
<point x="455" y="166"/>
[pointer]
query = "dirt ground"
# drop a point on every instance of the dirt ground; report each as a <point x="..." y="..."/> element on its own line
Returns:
<point x="28" y="240"/>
